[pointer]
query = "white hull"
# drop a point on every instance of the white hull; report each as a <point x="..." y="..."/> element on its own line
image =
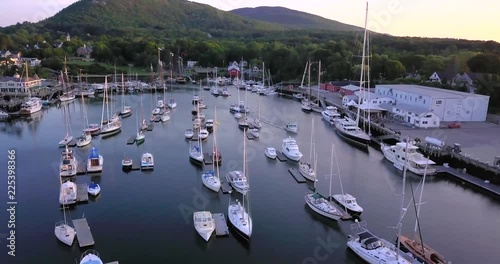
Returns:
<point x="270" y="155"/>
<point x="84" y="141"/>
<point x="204" y="224"/>
<point x="344" y="201"/>
<point x="211" y="181"/>
<point x="165" y="117"/>
<point x="65" y="141"/>
<point x="33" y="105"/>
<point x="307" y="172"/>
<point x="65" y="233"/>
<point x="317" y="207"/>
<point x="382" y="254"/>
<point x="240" y="220"/>
<point x="172" y="105"/>
<point x="292" y="156"/>
<point x="238" y="181"/>
<point x="94" y="190"/>
<point x="400" y="163"/>
<point x="95" y="168"/>
<point x="91" y="259"/>
<point x="147" y="161"/>
<point x="67" y="193"/>
<point x="66" y="98"/>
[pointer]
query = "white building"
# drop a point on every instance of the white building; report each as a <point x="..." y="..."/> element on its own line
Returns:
<point x="448" y="105"/>
<point x="191" y="64"/>
<point x="17" y="86"/>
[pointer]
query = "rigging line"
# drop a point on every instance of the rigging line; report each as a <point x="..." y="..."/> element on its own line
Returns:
<point x="416" y="215"/>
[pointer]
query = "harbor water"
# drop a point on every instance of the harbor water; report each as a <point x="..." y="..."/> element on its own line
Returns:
<point x="147" y="217"/>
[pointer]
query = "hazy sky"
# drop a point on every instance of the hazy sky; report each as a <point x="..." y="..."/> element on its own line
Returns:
<point x="426" y="18"/>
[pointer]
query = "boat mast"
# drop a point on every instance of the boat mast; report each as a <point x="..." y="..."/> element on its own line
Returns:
<point x="319" y="79"/>
<point x="216" y="152"/>
<point x="368" y="81"/>
<point x="417" y="221"/>
<point x="363" y="56"/>
<point x="123" y="94"/>
<point x="400" y="224"/>
<point x="263" y="76"/>
<point x="106" y="96"/>
<point x="103" y="100"/>
<point x="244" y="174"/>
<point x="311" y="146"/>
<point x="309" y="78"/>
<point x="331" y="173"/>
<point x="340" y="178"/>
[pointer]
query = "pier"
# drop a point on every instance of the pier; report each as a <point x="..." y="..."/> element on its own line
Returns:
<point x="131" y="140"/>
<point x="280" y="156"/>
<point x="221" y="228"/>
<point x="464" y="177"/>
<point x="226" y="188"/>
<point x="150" y="127"/>
<point x="296" y="175"/>
<point x="82" y="194"/>
<point x="207" y="159"/>
<point x="81" y="168"/>
<point x="83" y="233"/>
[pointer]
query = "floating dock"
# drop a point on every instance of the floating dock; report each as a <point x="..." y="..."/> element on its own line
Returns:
<point x="157" y="118"/>
<point x="463" y="176"/>
<point x="131" y="140"/>
<point x="150" y="127"/>
<point x="207" y="159"/>
<point x="81" y="168"/>
<point x="83" y="233"/>
<point x="226" y="188"/>
<point x="280" y="156"/>
<point x="296" y="174"/>
<point x="82" y="194"/>
<point x="195" y="137"/>
<point x="72" y="143"/>
<point x="114" y="262"/>
<point x="221" y="228"/>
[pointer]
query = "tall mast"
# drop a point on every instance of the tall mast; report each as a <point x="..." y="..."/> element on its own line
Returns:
<point x="402" y="197"/>
<point x="215" y="141"/>
<point x="263" y="76"/>
<point x="417" y="225"/>
<point x="311" y="146"/>
<point x="319" y="78"/>
<point x="363" y="57"/>
<point x="340" y="178"/>
<point x="368" y="80"/>
<point x="123" y="93"/>
<point x="309" y="76"/>
<point x="331" y="173"/>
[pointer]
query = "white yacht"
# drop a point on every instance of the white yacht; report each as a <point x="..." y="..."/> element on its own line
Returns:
<point x="196" y="155"/>
<point x="237" y="115"/>
<point x="90" y="257"/>
<point x="306" y="107"/>
<point x="255" y="132"/>
<point x="126" y="111"/>
<point x="209" y="124"/>
<point x="196" y="99"/>
<point x="270" y="153"/>
<point x="67" y="193"/>
<point x="416" y="161"/>
<point x="94" y="189"/>
<point x="240" y="219"/>
<point x="93" y="129"/>
<point x="147" y="161"/>
<point x="165" y="117"/>
<point x="95" y="161"/>
<point x="348" y="202"/>
<point x="30" y="106"/>
<point x="238" y="180"/>
<point x="65" y="233"/>
<point x="211" y="181"/>
<point x="160" y="104"/>
<point x="68" y="163"/>
<point x="292" y="127"/>
<point x="189" y="133"/>
<point x="203" y="134"/>
<point x="349" y="131"/>
<point x="127" y="163"/>
<point x="290" y="149"/>
<point x="204" y="224"/>
<point x="307" y="171"/>
<point x="330" y="114"/>
<point x="323" y="206"/>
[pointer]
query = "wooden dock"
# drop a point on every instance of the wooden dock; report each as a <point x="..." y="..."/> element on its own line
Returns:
<point x="226" y="188"/>
<point x="82" y="194"/>
<point x="81" y="168"/>
<point x="83" y="233"/>
<point x="280" y="156"/>
<point x="150" y="127"/>
<point x="221" y="228"/>
<point x="207" y="159"/>
<point x="195" y="137"/>
<point x="463" y="176"/>
<point x="131" y="140"/>
<point x="114" y="262"/>
<point x="296" y="174"/>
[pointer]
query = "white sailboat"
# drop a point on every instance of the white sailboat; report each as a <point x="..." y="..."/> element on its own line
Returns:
<point x="90" y="257"/>
<point x="126" y="110"/>
<point x="306" y="168"/>
<point x="86" y="137"/>
<point x="211" y="178"/>
<point x="322" y="205"/>
<point x="64" y="232"/>
<point x="347" y="201"/>
<point x="196" y="152"/>
<point x="112" y="126"/>
<point x="238" y="179"/>
<point x="66" y="96"/>
<point x="238" y="217"/>
<point x="92" y="129"/>
<point x="32" y="104"/>
<point x="256" y="121"/>
<point x="204" y="224"/>
<point x="306" y="105"/>
<point x="68" y="137"/>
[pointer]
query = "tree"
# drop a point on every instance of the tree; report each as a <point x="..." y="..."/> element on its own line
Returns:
<point x="5" y="42"/>
<point x="484" y="63"/>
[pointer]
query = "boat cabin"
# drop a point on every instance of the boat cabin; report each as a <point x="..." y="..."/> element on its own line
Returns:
<point x="369" y="241"/>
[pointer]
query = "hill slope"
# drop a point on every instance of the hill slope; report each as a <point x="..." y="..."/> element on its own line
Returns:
<point x="172" y="17"/>
<point x="293" y="19"/>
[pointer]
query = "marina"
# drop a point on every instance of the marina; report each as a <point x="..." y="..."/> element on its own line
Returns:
<point x="461" y="175"/>
<point x="81" y="193"/>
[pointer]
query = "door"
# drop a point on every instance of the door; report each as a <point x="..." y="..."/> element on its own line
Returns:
<point x="408" y="120"/>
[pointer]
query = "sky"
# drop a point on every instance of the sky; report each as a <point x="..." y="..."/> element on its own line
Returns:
<point x="475" y="20"/>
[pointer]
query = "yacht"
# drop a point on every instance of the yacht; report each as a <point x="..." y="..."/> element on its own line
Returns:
<point x="94" y="189"/>
<point x="225" y="92"/>
<point x="160" y="104"/>
<point x="290" y="149"/>
<point x="189" y="133"/>
<point x="348" y="202"/>
<point x="84" y="140"/>
<point x="330" y="114"/>
<point x="66" y="97"/>
<point x="67" y="194"/>
<point x="375" y="250"/>
<point x="196" y="99"/>
<point x="126" y="111"/>
<point x="211" y="181"/>
<point x="127" y="163"/>
<point x="165" y="117"/>
<point x="306" y="107"/>
<point x="307" y="171"/>
<point x="68" y="164"/>
<point x="238" y="180"/>
<point x="203" y="134"/>
<point x="292" y="127"/>
<point x="270" y="153"/>
<point x="202" y="105"/>
<point x="416" y="161"/>
<point x="349" y="131"/>
<point x="111" y="128"/>
<point x="237" y="115"/>
<point x="255" y="132"/>
<point x="90" y="257"/>
<point x="147" y="161"/>
<point x="140" y="137"/>
<point x="209" y="124"/>
<point x="94" y="161"/>
<point x="240" y="219"/>
<point x="242" y="123"/>
<point x="172" y="103"/>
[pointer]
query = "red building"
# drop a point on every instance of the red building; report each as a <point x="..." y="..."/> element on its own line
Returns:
<point x="349" y="89"/>
<point x="233" y="70"/>
<point x="329" y="86"/>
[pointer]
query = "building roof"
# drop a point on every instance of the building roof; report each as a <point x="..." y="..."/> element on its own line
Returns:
<point x="436" y="93"/>
<point x="15" y="79"/>
<point x="371" y="95"/>
<point x="411" y="108"/>
<point x="351" y="97"/>
<point x="350" y="87"/>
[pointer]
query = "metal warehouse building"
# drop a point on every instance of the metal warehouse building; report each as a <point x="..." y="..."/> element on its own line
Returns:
<point x="448" y="105"/>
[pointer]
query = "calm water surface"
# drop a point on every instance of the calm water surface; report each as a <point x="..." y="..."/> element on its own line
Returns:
<point x="147" y="217"/>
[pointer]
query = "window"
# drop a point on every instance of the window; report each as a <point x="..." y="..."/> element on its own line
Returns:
<point x="428" y="116"/>
<point x="438" y="102"/>
<point x="424" y="122"/>
<point x="420" y="97"/>
<point x="406" y="97"/>
<point x="424" y="101"/>
<point x="415" y="99"/>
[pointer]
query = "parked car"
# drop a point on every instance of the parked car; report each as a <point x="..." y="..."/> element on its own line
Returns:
<point x="454" y="125"/>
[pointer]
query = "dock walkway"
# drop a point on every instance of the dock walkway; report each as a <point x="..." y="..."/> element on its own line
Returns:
<point x="296" y="175"/>
<point x="280" y="156"/>
<point x="207" y="159"/>
<point x="83" y="233"/>
<point x="221" y="228"/>
<point x="82" y="194"/>
<point x="460" y="175"/>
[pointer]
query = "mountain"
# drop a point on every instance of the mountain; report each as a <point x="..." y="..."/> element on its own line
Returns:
<point x="293" y="19"/>
<point x="171" y="18"/>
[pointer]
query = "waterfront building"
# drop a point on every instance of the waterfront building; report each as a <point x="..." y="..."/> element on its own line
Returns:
<point x="18" y="86"/>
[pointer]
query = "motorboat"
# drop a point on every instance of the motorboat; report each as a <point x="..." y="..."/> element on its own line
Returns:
<point x="140" y="137"/>
<point x="172" y="103"/>
<point x="211" y="181"/>
<point x="206" y="88"/>
<point x="95" y="161"/>
<point x="237" y="115"/>
<point x="30" y="106"/>
<point x="270" y="153"/>
<point x="165" y="117"/>
<point x="68" y="164"/>
<point x="194" y="111"/>
<point x="66" y="97"/>
<point x="90" y="257"/>
<point x="373" y="249"/>
<point x="292" y="127"/>
<point x="423" y="253"/>
<point x="127" y="163"/>
<point x="298" y="96"/>
<point x="321" y="205"/>
<point x="307" y="171"/>
<point x="203" y="134"/>
<point x="256" y="123"/>
<point x="202" y="105"/>
<point x="65" y="233"/>
<point x="215" y="92"/>
<point x="225" y="92"/>
<point x="156" y="111"/>
<point x="234" y="108"/>
<point x="189" y="133"/>
<point x="238" y="180"/>
<point x="209" y="124"/>
<point x="84" y="140"/>
<point x="416" y="161"/>
<point x="160" y="104"/>
<point x="147" y="161"/>
<point x="255" y="132"/>
<point x="349" y="131"/>
<point x="306" y="107"/>
<point x="65" y="141"/>
<point x="240" y="219"/>
<point x="290" y="149"/>
<point x="94" y="189"/>
<point x="196" y="99"/>
<point x="348" y="202"/>
<point x="196" y="155"/>
<point x="67" y="194"/>
<point x="242" y="123"/>
<point x="126" y="111"/>
<point x="197" y="123"/>
<point x="330" y="114"/>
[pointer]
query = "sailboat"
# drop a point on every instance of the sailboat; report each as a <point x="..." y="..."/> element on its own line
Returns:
<point x="196" y="152"/>
<point x="305" y="168"/>
<point x="126" y="110"/>
<point x="63" y="231"/>
<point x="321" y="205"/>
<point x="86" y="137"/>
<point x="68" y="138"/>
<point x="306" y="105"/>
<point x="66" y="96"/>
<point x="90" y="257"/>
<point x="140" y="137"/>
<point x="110" y="128"/>
<point x="216" y="155"/>
<point x="256" y="121"/>
<point x="32" y="104"/>
<point x="165" y="116"/>
<point x="315" y="105"/>
<point x="238" y="179"/>
<point x="92" y="129"/>
<point x="238" y="217"/>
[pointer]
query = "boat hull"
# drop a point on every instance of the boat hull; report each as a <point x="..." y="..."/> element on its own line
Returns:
<point x="360" y="142"/>
<point x="65" y="234"/>
<point x="321" y="212"/>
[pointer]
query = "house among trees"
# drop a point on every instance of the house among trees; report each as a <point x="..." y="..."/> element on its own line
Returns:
<point x="233" y="70"/>
<point x="464" y="80"/>
<point x="84" y="51"/>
